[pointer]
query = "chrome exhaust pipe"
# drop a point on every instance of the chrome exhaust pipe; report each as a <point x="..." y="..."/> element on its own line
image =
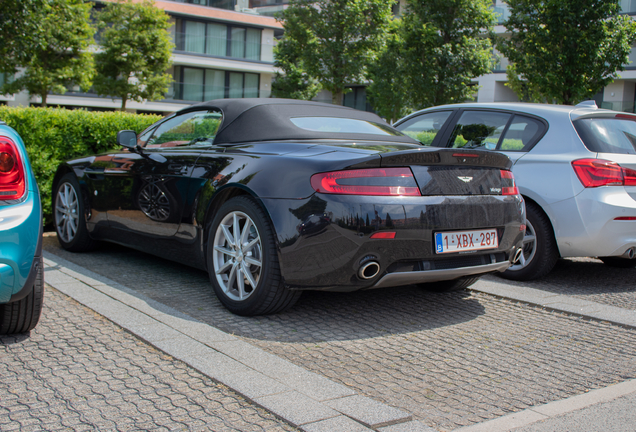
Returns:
<point x="629" y="253"/>
<point x="518" y="253"/>
<point x="369" y="270"/>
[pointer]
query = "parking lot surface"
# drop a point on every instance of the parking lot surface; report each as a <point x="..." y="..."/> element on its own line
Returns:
<point x="451" y="360"/>
<point x="78" y="371"/>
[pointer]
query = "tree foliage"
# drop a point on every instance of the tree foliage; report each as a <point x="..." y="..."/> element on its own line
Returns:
<point x="437" y="49"/>
<point x="18" y="30"/>
<point x="55" y="53"/>
<point x="333" y="41"/>
<point x="136" y="51"/>
<point x="565" y="50"/>
<point x="294" y="82"/>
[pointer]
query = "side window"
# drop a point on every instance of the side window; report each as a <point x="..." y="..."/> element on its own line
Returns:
<point x="142" y="138"/>
<point x="425" y="127"/>
<point x="522" y="132"/>
<point x="187" y="129"/>
<point x="479" y="129"/>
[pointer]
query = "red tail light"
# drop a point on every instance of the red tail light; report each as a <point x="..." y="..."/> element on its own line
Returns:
<point x="375" y="181"/>
<point x="599" y="172"/>
<point x="508" y="185"/>
<point x="12" y="179"/>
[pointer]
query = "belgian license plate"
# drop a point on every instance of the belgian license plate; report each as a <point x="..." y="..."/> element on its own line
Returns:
<point x="464" y="241"/>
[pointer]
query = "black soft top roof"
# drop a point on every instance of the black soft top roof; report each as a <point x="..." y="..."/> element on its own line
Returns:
<point x="260" y="119"/>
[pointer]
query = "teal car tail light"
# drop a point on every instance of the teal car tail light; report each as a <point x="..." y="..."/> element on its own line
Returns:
<point x="12" y="177"/>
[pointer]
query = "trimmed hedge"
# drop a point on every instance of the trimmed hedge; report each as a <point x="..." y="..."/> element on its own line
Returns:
<point x="54" y="135"/>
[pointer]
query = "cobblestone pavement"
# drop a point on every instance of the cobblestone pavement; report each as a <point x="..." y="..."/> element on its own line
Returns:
<point x="449" y="359"/>
<point x="588" y="279"/>
<point x="78" y="371"/>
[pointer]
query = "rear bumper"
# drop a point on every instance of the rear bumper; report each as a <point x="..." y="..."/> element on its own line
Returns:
<point x="325" y="240"/>
<point x="20" y="247"/>
<point x="586" y="224"/>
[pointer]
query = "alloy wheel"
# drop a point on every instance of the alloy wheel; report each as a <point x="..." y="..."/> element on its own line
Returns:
<point x="237" y="256"/>
<point x="66" y="212"/>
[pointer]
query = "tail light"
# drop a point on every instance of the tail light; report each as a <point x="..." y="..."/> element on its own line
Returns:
<point x="374" y="181"/>
<point x="598" y="172"/>
<point x="508" y="185"/>
<point x="12" y="178"/>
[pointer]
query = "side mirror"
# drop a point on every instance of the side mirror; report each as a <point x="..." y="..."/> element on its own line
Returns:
<point x="127" y="138"/>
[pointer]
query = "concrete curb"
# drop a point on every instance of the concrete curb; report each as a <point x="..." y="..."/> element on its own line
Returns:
<point x="558" y="302"/>
<point x="553" y="409"/>
<point x="306" y="400"/>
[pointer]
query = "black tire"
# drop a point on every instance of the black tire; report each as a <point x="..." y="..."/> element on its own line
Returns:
<point x="618" y="262"/>
<point x="262" y="292"/>
<point x="450" y="285"/>
<point x="70" y="217"/>
<point x="23" y="315"/>
<point x="540" y="252"/>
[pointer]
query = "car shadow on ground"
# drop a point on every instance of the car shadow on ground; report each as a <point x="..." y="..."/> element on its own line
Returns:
<point x="317" y="317"/>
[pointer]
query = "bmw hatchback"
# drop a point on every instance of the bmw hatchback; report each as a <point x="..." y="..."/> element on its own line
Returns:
<point x="575" y="166"/>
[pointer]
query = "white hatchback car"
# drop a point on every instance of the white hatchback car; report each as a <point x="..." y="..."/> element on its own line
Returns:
<point x="574" y="165"/>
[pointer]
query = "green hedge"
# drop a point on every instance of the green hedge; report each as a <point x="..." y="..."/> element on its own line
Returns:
<point x="53" y="135"/>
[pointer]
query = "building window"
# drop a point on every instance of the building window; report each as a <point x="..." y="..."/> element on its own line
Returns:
<point x="198" y="84"/>
<point x="219" y="40"/>
<point x="357" y="98"/>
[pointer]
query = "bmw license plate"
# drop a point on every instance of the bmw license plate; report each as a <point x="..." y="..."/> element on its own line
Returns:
<point x="465" y="241"/>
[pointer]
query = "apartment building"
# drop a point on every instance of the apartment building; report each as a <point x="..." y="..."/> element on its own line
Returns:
<point x="223" y="49"/>
<point x="619" y="96"/>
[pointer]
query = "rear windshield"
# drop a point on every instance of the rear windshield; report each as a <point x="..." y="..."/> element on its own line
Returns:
<point x="343" y="125"/>
<point x="607" y="135"/>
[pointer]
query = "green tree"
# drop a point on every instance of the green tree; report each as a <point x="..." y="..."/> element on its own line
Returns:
<point x="18" y="28"/>
<point x="55" y="56"/>
<point x="438" y="48"/>
<point x="334" y="40"/>
<point x="136" y="51"/>
<point x="294" y="82"/>
<point x="565" y="50"/>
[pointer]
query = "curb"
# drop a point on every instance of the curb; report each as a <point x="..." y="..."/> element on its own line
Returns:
<point x="304" y="399"/>
<point x="559" y="303"/>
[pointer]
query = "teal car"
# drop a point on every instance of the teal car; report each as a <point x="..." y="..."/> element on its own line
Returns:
<point x="21" y="267"/>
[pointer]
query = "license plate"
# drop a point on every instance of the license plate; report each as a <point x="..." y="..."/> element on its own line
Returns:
<point x="464" y="241"/>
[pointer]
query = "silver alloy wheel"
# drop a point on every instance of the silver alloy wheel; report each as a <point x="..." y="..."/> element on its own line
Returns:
<point x="66" y="212"/>
<point x="529" y="247"/>
<point x="237" y="257"/>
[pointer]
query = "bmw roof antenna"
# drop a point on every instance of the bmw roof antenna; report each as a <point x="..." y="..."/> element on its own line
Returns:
<point x="588" y="104"/>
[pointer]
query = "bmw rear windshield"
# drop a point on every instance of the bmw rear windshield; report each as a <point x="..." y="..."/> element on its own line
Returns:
<point x="608" y="134"/>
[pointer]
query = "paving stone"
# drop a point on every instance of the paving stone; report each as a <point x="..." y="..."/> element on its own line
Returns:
<point x="451" y="360"/>
<point x="78" y="371"/>
<point x="411" y="426"/>
<point x="296" y="408"/>
<point x="340" y="423"/>
<point x="369" y="412"/>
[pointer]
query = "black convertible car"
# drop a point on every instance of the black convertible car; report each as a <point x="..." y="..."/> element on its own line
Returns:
<point x="275" y="196"/>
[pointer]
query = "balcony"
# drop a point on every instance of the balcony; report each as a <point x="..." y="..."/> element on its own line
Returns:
<point x="200" y="93"/>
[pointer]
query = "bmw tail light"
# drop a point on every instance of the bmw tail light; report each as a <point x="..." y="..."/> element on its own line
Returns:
<point x="373" y="181"/>
<point x="600" y="172"/>
<point x="508" y="185"/>
<point x="12" y="178"/>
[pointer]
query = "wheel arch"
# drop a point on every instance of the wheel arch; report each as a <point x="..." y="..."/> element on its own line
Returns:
<point x="531" y="201"/>
<point x="219" y="198"/>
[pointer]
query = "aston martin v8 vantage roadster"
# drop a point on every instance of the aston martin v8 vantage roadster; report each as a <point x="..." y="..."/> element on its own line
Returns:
<point x="273" y="197"/>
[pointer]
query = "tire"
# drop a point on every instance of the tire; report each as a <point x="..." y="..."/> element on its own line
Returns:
<point x="450" y="285"/>
<point x="259" y="290"/>
<point x="23" y="315"/>
<point x="618" y="262"/>
<point x="540" y="252"/>
<point x="69" y="216"/>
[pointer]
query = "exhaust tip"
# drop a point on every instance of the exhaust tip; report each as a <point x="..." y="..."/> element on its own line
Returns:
<point x="515" y="258"/>
<point x="630" y="253"/>
<point x="369" y="270"/>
